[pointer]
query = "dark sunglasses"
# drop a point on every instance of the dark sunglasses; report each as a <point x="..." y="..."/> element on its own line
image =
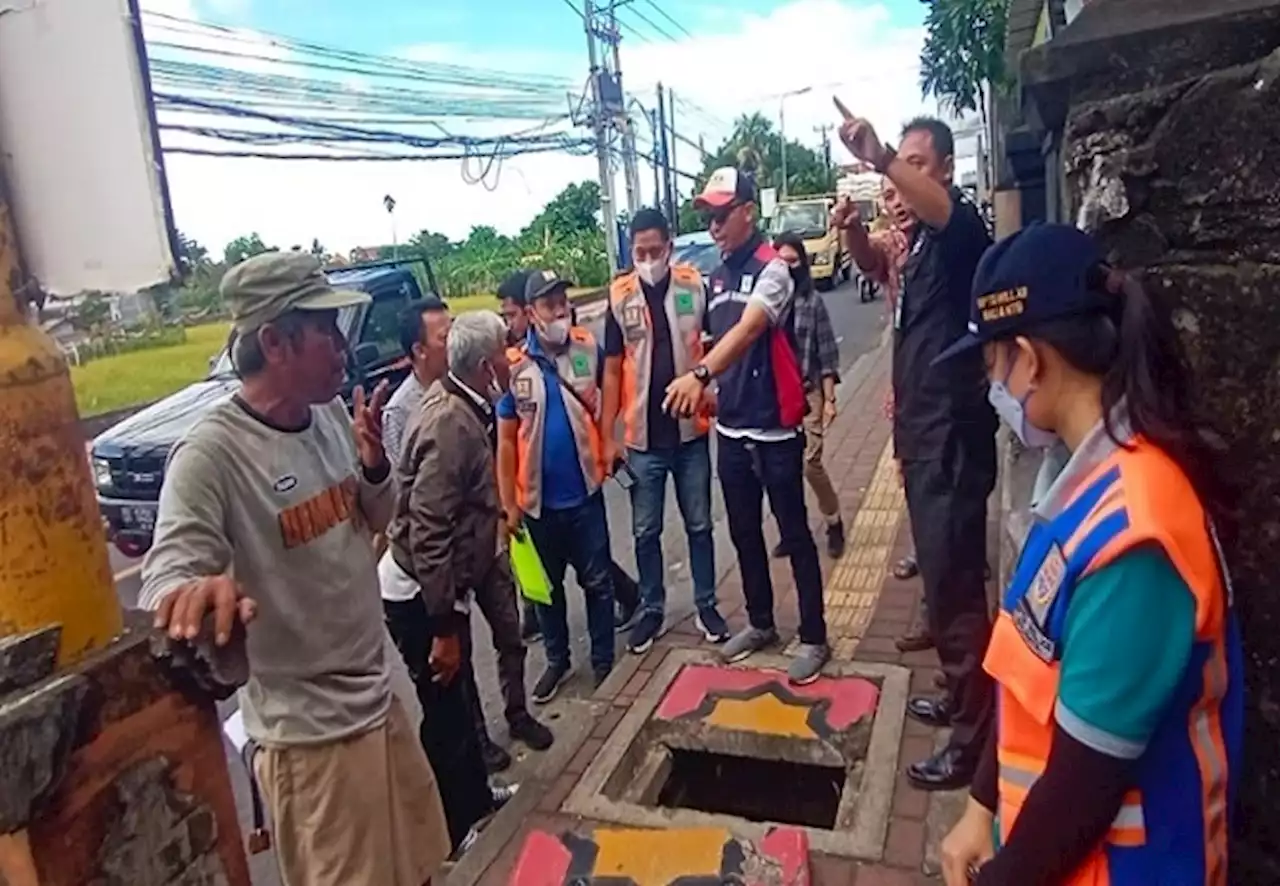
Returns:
<point x="721" y="215"/>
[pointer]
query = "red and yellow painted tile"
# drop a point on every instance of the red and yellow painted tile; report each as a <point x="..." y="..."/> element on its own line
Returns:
<point x="762" y="701"/>
<point x="675" y="857"/>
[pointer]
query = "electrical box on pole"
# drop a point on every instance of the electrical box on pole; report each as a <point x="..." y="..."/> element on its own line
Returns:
<point x="599" y="84"/>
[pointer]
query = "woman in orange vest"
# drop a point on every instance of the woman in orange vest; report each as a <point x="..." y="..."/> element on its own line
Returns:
<point x="1116" y="648"/>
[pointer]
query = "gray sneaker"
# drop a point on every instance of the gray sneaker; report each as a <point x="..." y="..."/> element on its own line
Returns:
<point x="807" y="665"/>
<point x="748" y="642"/>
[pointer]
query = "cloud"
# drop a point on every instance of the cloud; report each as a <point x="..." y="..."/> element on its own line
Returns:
<point x="738" y="65"/>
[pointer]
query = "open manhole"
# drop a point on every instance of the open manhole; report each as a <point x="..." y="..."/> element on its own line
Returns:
<point x="750" y="788"/>
<point x="713" y="745"/>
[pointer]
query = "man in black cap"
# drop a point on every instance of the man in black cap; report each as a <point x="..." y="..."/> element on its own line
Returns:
<point x="944" y="428"/>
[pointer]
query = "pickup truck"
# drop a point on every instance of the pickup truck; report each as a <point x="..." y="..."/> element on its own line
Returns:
<point x="129" y="458"/>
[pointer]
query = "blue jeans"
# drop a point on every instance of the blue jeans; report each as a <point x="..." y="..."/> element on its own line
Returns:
<point x="690" y="466"/>
<point x="577" y="537"/>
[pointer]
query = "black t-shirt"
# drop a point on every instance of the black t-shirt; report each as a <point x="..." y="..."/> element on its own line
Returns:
<point x="664" y="431"/>
<point x="935" y="404"/>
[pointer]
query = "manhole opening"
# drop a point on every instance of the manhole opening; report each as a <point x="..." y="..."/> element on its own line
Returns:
<point x="754" y="789"/>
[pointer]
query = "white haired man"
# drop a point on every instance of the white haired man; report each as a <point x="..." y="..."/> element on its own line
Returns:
<point x="444" y="541"/>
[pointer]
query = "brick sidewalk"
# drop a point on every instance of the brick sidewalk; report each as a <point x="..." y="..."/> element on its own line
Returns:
<point x="866" y="610"/>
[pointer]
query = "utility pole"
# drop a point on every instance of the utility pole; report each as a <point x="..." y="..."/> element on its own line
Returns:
<point x="657" y="160"/>
<point x="598" y="123"/>
<point x="660" y="146"/>
<point x="631" y="174"/>
<point x="825" y="131"/>
<point x="673" y="198"/>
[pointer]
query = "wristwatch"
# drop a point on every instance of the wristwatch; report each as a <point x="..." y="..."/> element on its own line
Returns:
<point x="702" y="374"/>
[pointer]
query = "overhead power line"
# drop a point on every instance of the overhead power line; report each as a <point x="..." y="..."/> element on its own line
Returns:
<point x="662" y="12"/>
<point x="631" y="10"/>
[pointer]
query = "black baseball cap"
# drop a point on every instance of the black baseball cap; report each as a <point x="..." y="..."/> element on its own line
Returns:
<point x="513" y="286"/>
<point x="1042" y="272"/>
<point x="541" y="283"/>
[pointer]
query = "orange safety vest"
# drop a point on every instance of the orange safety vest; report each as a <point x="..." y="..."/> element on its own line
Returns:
<point x="578" y="366"/>
<point x="686" y="304"/>
<point x="1172" y="826"/>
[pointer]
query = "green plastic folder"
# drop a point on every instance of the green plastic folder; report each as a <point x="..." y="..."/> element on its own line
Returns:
<point x="527" y="568"/>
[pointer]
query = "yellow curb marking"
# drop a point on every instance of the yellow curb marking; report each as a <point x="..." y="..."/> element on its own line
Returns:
<point x="853" y="587"/>
<point x="655" y="858"/>
<point x="764" y="714"/>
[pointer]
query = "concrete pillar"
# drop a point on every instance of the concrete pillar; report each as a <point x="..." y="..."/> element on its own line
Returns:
<point x="112" y="767"/>
<point x="1170" y="139"/>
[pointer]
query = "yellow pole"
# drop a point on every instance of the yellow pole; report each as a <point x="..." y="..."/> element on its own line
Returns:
<point x="53" y="555"/>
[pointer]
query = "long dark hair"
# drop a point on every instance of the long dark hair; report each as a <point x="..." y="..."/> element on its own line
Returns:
<point x="792" y="239"/>
<point x="1136" y="350"/>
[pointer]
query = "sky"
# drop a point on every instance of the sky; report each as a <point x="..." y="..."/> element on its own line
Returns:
<point x="742" y="55"/>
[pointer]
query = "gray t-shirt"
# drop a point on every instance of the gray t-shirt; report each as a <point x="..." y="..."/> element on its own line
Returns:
<point x="290" y="517"/>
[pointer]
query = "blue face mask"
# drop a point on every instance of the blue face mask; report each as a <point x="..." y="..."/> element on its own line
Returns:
<point x="1013" y="412"/>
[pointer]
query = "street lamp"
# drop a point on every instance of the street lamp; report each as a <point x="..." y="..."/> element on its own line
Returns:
<point x="782" y="128"/>
<point x="389" y="202"/>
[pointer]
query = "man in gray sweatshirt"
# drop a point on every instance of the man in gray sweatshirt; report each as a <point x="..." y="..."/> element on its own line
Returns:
<point x="267" y="516"/>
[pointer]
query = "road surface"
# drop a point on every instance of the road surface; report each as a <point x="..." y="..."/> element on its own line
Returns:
<point x="858" y="328"/>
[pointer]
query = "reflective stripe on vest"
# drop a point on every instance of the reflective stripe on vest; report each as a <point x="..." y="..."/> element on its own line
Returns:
<point x="685" y="304"/>
<point x="578" y="365"/>
<point x="1137" y="496"/>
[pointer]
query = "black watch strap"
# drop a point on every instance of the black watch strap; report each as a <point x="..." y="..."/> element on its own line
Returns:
<point x="702" y="374"/>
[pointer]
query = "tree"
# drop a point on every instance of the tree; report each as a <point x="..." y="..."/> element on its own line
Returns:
<point x="191" y="255"/>
<point x="756" y="144"/>
<point x="92" y="311"/>
<point x="434" y="246"/>
<point x="963" y="52"/>
<point x="574" y="209"/>
<point x="244" y="247"/>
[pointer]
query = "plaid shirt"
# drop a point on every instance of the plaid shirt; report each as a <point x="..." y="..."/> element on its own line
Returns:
<point x="819" y="354"/>
<point x="892" y="245"/>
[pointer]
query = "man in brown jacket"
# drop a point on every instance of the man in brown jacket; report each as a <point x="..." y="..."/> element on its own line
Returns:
<point x="444" y="539"/>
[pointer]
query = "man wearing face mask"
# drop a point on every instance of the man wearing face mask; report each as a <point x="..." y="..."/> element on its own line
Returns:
<point x="943" y="430"/>
<point x="653" y="332"/>
<point x="424" y="333"/>
<point x="625" y="590"/>
<point x="444" y="543"/>
<point x="551" y="469"/>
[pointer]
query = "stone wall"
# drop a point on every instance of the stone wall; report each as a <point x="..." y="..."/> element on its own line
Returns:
<point x="112" y="772"/>
<point x="1171" y="147"/>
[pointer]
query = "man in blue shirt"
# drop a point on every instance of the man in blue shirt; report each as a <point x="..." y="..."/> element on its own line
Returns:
<point x="551" y="469"/>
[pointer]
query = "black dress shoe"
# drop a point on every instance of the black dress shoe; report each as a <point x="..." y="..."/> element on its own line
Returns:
<point x="947" y="770"/>
<point x="929" y="711"/>
<point x="528" y="730"/>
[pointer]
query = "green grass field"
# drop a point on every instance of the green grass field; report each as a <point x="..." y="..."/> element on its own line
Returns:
<point x="143" y="376"/>
<point x="112" y="383"/>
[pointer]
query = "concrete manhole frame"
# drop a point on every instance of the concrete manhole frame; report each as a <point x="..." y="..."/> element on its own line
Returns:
<point x="872" y="799"/>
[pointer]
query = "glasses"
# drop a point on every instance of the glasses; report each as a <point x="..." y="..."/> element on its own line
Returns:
<point x="721" y="215"/>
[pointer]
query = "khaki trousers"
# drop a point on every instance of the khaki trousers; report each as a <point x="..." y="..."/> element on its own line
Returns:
<point x="361" y="811"/>
<point x="814" y="472"/>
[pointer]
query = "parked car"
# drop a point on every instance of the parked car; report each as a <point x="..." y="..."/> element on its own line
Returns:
<point x="697" y="249"/>
<point x="129" y="458"/>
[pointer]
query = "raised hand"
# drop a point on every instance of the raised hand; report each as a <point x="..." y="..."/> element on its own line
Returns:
<point x="367" y="420"/>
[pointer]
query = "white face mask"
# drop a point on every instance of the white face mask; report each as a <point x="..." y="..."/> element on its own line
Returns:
<point x="555" y="333"/>
<point x="1013" y="412"/>
<point x="653" y="272"/>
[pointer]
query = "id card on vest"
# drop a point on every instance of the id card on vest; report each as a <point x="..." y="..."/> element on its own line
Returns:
<point x="633" y="323"/>
<point x="522" y="391"/>
<point x="1031" y="615"/>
